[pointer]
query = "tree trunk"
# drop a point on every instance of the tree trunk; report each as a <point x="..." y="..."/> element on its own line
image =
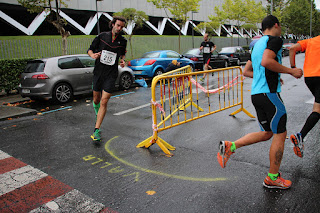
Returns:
<point x="130" y="36"/>
<point x="64" y="45"/>
<point x="64" y="34"/>
<point x="179" y="40"/>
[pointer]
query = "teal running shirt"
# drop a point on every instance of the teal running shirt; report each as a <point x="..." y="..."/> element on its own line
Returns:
<point x="264" y="80"/>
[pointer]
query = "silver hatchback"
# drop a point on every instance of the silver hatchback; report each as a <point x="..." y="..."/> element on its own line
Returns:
<point x="60" y="78"/>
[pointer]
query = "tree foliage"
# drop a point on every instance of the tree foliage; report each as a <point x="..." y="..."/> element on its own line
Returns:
<point x="134" y="17"/>
<point x="207" y="27"/>
<point x="247" y="13"/>
<point x="10" y="71"/>
<point x="38" y="6"/>
<point x="296" y="19"/>
<point x="277" y="7"/>
<point x="179" y="10"/>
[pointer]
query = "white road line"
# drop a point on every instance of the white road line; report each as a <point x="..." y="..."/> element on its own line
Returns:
<point x="132" y="109"/>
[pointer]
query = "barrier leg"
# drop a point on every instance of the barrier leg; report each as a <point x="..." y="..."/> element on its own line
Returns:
<point x="146" y="143"/>
<point x="163" y="147"/>
<point x="248" y="113"/>
<point x="244" y="110"/>
<point x="188" y="103"/>
<point x="161" y="143"/>
<point x="170" y="147"/>
<point x="195" y="105"/>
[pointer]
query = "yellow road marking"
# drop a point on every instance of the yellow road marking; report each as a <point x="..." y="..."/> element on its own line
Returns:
<point x="157" y="172"/>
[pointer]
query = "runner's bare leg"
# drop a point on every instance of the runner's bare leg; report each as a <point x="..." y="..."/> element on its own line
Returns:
<point x="103" y="108"/>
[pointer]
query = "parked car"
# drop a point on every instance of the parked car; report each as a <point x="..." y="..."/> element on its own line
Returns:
<point x="60" y="78"/>
<point x="217" y="60"/>
<point x="155" y="63"/>
<point x="285" y="48"/>
<point x="236" y="54"/>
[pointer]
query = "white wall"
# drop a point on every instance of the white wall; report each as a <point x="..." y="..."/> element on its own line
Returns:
<point x="206" y="7"/>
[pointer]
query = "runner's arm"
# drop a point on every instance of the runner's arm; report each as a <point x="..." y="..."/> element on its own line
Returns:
<point x="94" y="55"/>
<point x="214" y="48"/>
<point x="248" y="70"/>
<point x="268" y="61"/>
<point x="122" y="60"/>
<point x="292" y="53"/>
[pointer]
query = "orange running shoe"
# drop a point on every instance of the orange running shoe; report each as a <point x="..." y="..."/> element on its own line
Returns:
<point x="298" y="144"/>
<point x="224" y="152"/>
<point x="280" y="183"/>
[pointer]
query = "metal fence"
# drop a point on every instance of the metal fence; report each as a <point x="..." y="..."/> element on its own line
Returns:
<point x="177" y="96"/>
<point x="42" y="48"/>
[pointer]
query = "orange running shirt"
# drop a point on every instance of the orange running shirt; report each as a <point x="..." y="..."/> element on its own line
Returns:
<point x="311" y="66"/>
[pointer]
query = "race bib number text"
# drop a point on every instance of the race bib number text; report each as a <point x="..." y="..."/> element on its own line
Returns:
<point x="107" y="57"/>
<point x="206" y="50"/>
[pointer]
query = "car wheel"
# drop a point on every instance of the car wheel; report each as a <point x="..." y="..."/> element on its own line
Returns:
<point x="192" y="68"/>
<point x="238" y="62"/>
<point x="158" y="71"/>
<point x="62" y="93"/>
<point x="125" y="81"/>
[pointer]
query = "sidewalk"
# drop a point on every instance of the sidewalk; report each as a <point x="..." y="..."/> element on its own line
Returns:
<point x="7" y="110"/>
<point x="25" y="188"/>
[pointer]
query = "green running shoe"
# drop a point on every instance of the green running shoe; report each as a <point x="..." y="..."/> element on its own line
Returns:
<point x="96" y="135"/>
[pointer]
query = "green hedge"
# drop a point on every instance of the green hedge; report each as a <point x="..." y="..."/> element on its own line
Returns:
<point x="10" y="71"/>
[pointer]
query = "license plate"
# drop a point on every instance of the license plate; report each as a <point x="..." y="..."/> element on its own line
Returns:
<point x="25" y="91"/>
<point x="137" y="72"/>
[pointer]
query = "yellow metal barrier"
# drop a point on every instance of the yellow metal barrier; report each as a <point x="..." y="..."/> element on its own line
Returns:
<point x="180" y="98"/>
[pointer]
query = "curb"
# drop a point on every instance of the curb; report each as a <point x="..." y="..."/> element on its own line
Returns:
<point x="7" y="112"/>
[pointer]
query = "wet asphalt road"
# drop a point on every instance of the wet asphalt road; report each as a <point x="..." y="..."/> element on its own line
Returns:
<point x="130" y="179"/>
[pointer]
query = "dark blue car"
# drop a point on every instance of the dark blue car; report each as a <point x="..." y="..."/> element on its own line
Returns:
<point x="155" y="63"/>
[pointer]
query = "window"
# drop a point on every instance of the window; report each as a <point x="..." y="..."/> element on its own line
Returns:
<point x="151" y="55"/>
<point x="34" y="66"/>
<point x="227" y="50"/>
<point x="87" y="61"/>
<point x="172" y="55"/>
<point x="192" y="52"/>
<point x="69" y="63"/>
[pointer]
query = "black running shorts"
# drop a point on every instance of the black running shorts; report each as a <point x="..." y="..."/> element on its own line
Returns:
<point x="313" y="83"/>
<point x="271" y="112"/>
<point x="206" y="59"/>
<point x="106" y="83"/>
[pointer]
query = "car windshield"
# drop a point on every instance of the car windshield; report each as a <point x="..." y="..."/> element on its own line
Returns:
<point x="227" y="50"/>
<point x="151" y="55"/>
<point x="34" y="66"/>
<point x="192" y="52"/>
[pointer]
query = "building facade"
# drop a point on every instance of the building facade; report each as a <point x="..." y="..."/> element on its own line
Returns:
<point x="83" y="15"/>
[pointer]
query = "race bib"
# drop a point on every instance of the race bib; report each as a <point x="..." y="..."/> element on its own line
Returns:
<point x="206" y="50"/>
<point x="107" y="57"/>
